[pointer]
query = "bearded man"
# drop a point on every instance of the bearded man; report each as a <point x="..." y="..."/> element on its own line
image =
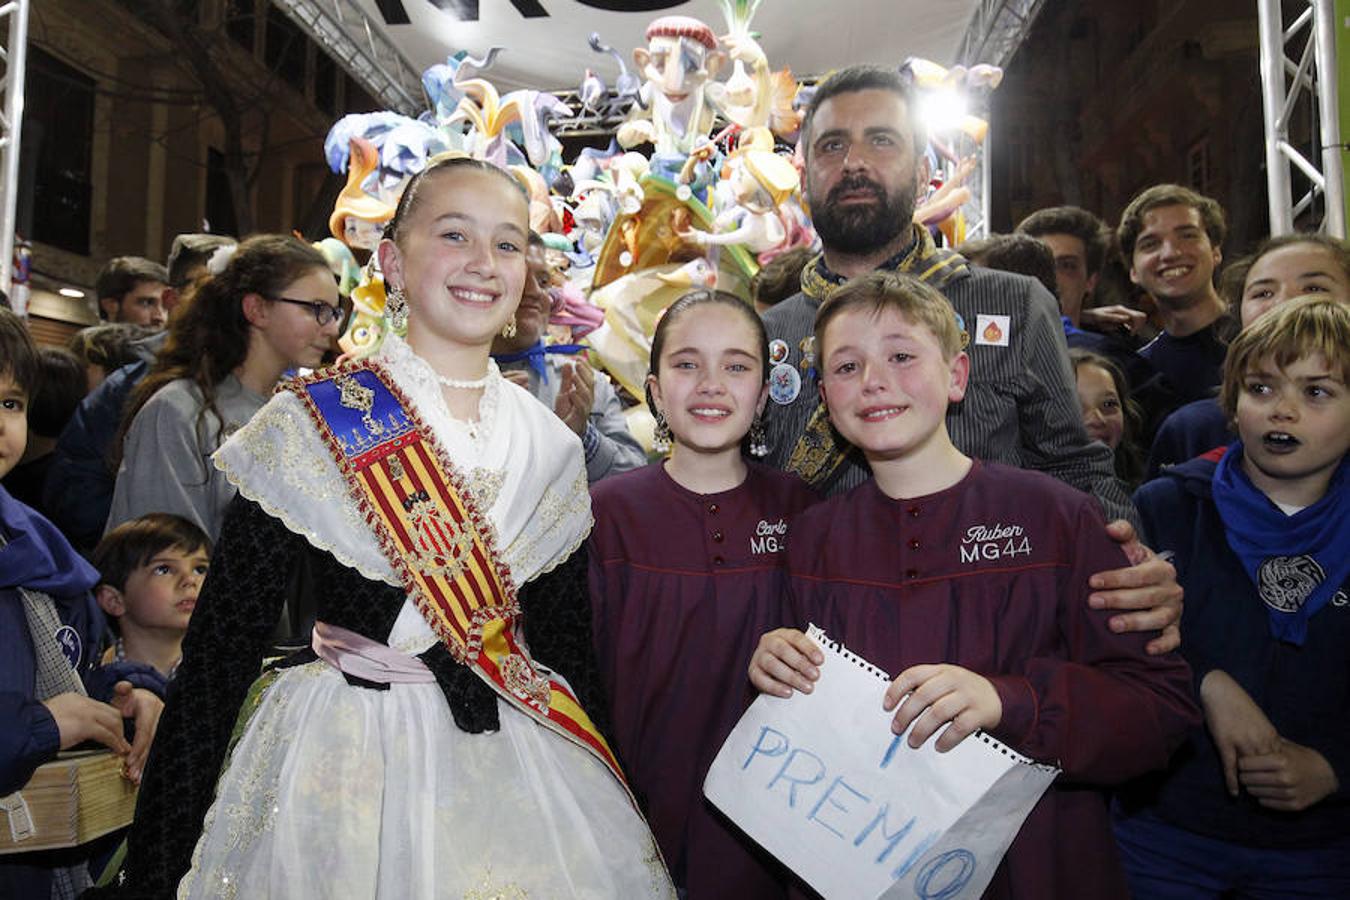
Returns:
<point x="864" y="150"/>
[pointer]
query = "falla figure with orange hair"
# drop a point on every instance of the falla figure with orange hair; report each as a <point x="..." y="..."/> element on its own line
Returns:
<point x="358" y="218"/>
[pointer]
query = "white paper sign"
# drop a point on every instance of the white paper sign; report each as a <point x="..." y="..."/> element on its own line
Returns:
<point x="819" y="780"/>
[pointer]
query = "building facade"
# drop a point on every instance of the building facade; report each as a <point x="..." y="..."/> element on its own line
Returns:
<point x="124" y="145"/>
<point x="1106" y="98"/>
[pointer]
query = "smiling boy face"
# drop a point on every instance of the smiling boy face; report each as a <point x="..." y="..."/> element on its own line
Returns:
<point x="1174" y="259"/>
<point x="887" y="382"/>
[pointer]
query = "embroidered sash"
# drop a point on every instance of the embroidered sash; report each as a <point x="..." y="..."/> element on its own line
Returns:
<point x="436" y="540"/>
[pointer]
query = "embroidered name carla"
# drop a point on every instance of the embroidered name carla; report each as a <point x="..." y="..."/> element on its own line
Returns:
<point x="992" y="542"/>
<point x="770" y="537"/>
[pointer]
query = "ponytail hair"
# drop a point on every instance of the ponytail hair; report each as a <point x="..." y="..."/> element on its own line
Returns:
<point x="209" y="335"/>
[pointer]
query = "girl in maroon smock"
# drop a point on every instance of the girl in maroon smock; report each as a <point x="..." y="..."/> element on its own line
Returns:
<point x="686" y="573"/>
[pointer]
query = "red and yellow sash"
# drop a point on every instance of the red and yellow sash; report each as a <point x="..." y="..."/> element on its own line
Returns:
<point x="436" y="540"/>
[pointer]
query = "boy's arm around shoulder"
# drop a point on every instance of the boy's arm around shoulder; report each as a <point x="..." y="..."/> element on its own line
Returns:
<point x="1102" y="708"/>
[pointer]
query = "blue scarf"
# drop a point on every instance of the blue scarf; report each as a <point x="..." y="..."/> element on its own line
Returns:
<point x="534" y="356"/>
<point x="1298" y="562"/>
<point x="37" y="556"/>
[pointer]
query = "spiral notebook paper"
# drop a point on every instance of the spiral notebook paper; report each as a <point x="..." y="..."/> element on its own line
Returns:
<point x="819" y="780"/>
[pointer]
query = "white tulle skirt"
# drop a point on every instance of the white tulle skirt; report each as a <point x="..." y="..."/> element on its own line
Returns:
<point x="340" y="791"/>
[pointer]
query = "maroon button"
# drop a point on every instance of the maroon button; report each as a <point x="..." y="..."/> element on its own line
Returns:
<point x="911" y="573"/>
<point x="913" y="511"/>
<point x="717" y="560"/>
<point x="914" y="543"/>
<point x="713" y="508"/>
<point x="717" y="536"/>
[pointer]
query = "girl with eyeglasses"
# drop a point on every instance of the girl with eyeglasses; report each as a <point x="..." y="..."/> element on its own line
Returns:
<point x="269" y="307"/>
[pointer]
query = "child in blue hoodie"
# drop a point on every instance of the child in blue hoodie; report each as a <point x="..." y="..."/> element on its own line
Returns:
<point x="52" y="694"/>
<point x="1258" y="803"/>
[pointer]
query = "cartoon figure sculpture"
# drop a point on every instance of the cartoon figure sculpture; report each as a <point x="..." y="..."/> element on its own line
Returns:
<point x="341" y="262"/>
<point x="785" y="119"/>
<point x="620" y="191"/>
<point x="680" y="58"/>
<point x="543" y="218"/>
<point x="358" y="218"/>
<point x="591" y="92"/>
<point x="627" y="86"/>
<point x="367" y="325"/>
<point x="761" y="181"/>
<point x="954" y="140"/>
<point x="591" y="217"/>
<point x="746" y="97"/>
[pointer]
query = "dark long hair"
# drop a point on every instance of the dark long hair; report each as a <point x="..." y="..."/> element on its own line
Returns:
<point x="209" y="338"/>
<point x="695" y="299"/>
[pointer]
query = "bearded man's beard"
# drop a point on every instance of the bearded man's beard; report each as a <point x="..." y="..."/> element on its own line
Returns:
<point x="861" y="228"/>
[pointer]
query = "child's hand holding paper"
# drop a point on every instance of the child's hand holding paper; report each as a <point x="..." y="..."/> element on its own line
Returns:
<point x="930" y="696"/>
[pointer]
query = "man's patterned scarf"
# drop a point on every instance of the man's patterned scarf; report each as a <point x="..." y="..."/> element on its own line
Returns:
<point x="820" y="450"/>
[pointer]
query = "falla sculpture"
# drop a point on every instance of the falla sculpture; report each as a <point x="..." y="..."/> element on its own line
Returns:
<point x="699" y="186"/>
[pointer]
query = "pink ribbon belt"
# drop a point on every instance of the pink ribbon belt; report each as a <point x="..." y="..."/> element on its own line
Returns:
<point x="361" y="657"/>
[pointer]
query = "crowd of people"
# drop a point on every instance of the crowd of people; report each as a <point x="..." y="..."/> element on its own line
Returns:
<point x="427" y="622"/>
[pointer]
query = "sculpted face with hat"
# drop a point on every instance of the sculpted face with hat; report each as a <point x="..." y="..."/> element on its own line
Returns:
<point x="680" y="58"/>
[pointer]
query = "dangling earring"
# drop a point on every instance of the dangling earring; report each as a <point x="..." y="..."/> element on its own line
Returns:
<point x="759" y="441"/>
<point x="509" y="329"/>
<point x="662" y="437"/>
<point x="396" y="309"/>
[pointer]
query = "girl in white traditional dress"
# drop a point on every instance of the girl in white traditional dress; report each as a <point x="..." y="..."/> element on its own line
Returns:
<point x="375" y="764"/>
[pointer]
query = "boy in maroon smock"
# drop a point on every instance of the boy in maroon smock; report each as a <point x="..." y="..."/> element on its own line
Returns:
<point x="968" y="579"/>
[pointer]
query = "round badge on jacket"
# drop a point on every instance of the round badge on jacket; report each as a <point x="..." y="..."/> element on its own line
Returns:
<point x="72" y="648"/>
<point x="785" y="383"/>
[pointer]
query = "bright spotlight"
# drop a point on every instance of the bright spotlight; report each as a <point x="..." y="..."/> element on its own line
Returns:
<point x="943" y="109"/>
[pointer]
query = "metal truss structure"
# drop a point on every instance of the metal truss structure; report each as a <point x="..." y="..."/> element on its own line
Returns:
<point x="14" y="58"/>
<point x="1298" y="83"/>
<point x="361" y="47"/>
<point x="584" y="122"/>
<point x="997" y="28"/>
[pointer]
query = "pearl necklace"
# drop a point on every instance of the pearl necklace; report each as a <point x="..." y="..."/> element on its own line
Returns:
<point x="465" y="385"/>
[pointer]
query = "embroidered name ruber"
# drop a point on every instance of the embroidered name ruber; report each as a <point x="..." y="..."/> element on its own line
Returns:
<point x="992" y="542"/>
